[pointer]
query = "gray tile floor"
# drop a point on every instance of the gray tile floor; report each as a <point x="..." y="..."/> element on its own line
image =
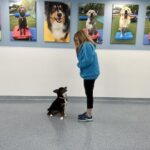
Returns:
<point x="118" y="125"/>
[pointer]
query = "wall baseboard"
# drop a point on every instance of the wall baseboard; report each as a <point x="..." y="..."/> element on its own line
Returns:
<point x="72" y="98"/>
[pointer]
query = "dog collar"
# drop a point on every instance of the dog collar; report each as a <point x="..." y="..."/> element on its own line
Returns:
<point x="61" y="97"/>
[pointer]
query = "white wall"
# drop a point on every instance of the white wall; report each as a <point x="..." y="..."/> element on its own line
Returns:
<point x="32" y="71"/>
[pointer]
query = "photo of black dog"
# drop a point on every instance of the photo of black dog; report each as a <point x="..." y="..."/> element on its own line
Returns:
<point x="22" y="21"/>
<point x="58" y="21"/>
<point x="59" y="104"/>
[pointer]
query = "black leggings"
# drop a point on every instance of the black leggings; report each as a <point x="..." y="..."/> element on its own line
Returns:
<point x="89" y="86"/>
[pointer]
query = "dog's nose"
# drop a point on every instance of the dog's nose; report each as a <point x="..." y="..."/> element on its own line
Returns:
<point x="92" y="14"/>
<point x="59" y="14"/>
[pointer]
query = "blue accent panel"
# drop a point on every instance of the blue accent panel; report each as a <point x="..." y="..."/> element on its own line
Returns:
<point x="100" y="40"/>
<point x="33" y="32"/>
<point x="126" y="36"/>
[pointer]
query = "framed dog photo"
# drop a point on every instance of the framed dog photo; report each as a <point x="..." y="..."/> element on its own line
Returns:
<point x="124" y="24"/>
<point x="146" y="39"/>
<point x="91" y="20"/>
<point x="57" y="21"/>
<point x="22" y="15"/>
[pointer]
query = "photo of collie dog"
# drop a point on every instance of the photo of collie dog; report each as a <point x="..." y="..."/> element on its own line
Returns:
<point x="124" y="20"/>
<point x="57" y="22"/>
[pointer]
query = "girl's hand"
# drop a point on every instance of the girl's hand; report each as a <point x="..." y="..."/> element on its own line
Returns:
<point x="76" y="50"/>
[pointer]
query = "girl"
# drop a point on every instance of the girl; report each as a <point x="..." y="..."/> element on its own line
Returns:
<point x="89" y="69"/>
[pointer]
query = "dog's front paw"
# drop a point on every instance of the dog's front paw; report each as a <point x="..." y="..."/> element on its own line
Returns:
<point x="61" y="118"/>
<point x="49" y="114"/>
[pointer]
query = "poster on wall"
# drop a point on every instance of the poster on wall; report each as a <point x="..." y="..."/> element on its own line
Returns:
<point x="57" y="22"/>
<point x="124" y="24"/>
<point x="91" y="20"/>
<point x="146" y="39"/>
<point x="0" y="26"/>
<point x="22" y="15"/>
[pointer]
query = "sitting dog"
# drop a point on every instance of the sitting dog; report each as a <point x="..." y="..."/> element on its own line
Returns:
<point x="91" y="22"/>
<point x="124" y="20"/>
<point x="58" y="21"/>
<point x="22" y="21"/>
<point x="59" y="104"/>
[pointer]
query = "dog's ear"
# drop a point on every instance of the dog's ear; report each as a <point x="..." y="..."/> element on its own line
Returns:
<point x="56" y="91"/>
<point x="47" y="7"/>
<point x="95" y="14"/>
<point x="65" y="89"/>
<point x="67" y="9"/>
<point x="122" y="11"/>
<point x="129" y="11"/>
<point x="19" y="9"/>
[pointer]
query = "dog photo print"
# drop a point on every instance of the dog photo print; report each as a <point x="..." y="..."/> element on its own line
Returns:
<point x="124" y="24"/>
<point x="0" y="26"/>
<point x="22" y="14"/>
<point x="146" y="39"/>
<point x="57" y="21"/>
<point x="91" y="20"/>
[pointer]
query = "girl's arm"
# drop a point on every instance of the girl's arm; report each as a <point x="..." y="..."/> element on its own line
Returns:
<point x="87" y="55"/>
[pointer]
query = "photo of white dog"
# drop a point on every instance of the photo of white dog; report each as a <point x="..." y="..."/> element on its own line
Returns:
<point x="91" y="22"/>
<point x="124" y="20"/>
<point x="124" y="23"/>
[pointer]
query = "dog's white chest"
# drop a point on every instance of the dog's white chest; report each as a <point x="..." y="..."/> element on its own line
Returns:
<point x="90" y="24"/>
<point x="124" y="22"/>
<point x="57" y="29"/>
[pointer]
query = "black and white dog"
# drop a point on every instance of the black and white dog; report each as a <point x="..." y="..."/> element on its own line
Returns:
<point x="59" y="104"/>
<point x="22" y="21"/>
<point x="57" y="17"/>
<point x="91" y="22"/>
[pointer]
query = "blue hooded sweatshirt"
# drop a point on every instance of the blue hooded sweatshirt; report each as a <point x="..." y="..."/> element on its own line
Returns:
<point x="88" y="61"/>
